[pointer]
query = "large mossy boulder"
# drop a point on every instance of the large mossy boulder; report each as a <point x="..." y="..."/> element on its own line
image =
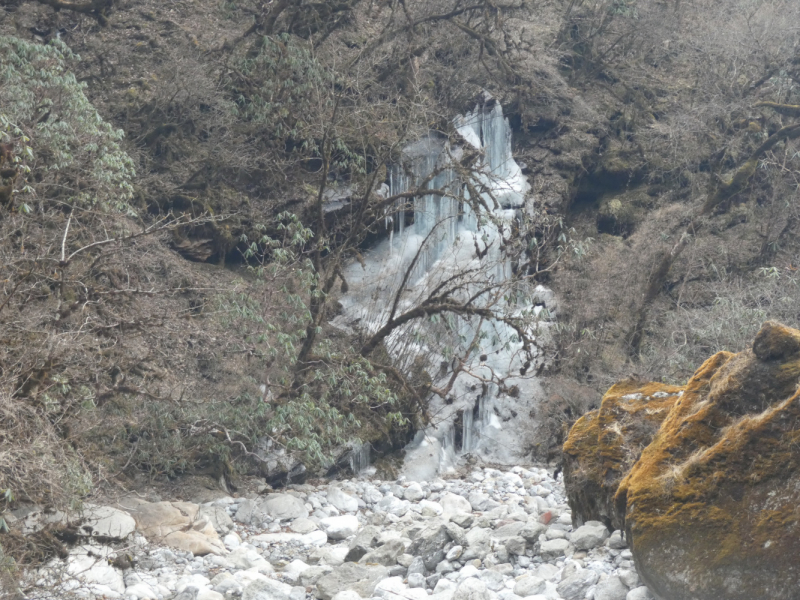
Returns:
<point x="712" y="505"/>
<point x="605" y="443"/>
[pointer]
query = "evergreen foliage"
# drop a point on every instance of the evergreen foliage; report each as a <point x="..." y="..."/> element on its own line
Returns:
<point x="75" y="154"/>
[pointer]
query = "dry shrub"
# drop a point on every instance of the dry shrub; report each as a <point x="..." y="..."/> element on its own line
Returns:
<point x="35" y="464"/>
<point x="600" y="297"/>
<point x="565" y="401"/>
<point x="36" y="548"/>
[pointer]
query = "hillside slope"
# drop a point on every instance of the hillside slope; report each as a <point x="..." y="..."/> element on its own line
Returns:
<point x="654" y="154"/>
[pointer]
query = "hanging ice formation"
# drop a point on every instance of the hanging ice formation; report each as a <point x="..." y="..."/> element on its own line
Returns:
<point x="360" y="457"/>
<point x="444" y="231"/>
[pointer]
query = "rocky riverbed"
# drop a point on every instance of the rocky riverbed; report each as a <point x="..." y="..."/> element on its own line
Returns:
<point x="490" y="535"/>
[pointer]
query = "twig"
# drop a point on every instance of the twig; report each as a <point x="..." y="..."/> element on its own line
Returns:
<point x="14" y="290"/>
<point x="64" y="239"/>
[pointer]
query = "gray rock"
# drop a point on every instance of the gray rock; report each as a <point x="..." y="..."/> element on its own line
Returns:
<point x="105" y="521"/>
<point x="478" y="501"/>
<point x="339" y="528"/>
<point x="611" y="589"/>
<point x="218" y="517"/>
<point x="327" y="555"/>
<point x="616" y="541"/>
<point x="189" y="593"/>
<point x="529" y="586"/>
<point x="414" y="492"/>
<point x="639" y="593"/>
<point x="629" y="577"/>
<point x="246" y="512"/>
<point x="342" y="500"/>
<point x="471" y="589"/>
<point x="453" y="504"/>
<point x="546" y="571"/>
<point x="457" y="533"/>
<point x="417" y="566"/>
<point x="445" y="567"/>
<point x="432" y="580"/>
<point x="430" y="545"/>
<point x="371" y="494"/>
<point x="555" y="534"/>
<point x="266" y="589"/>
<point x="386" y="555"/>
<point x="351" y="576"/>
<point x="298" y="593"/>
<point x="284" y="507"/>
<point x="494" y="580"/>
<point x="366" y="539"/>
<point x="532" y="530"/>
<point x="311" y="575"/>
<point x="515" y="546"/>
<point x="303" y="525"/>
<point x="478" y="543"/>
<point x="416" y="580"/>
<point x="553" y="549"/>
<point x="347" y="595"/>
<point x="430" y="508"/>
<point x="505" y="532"/>
<point x="227" y="584"/>
<point x="398" y="571"/>
<point x="392" y="505"/>
<point x="574" y="587"/>
<point x="463" y="520"/>
<point x="588" y="536"/>
<point x="454" y="553"/>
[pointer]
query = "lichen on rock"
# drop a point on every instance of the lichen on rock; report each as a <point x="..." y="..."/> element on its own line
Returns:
<point x="604" y="443"/>
<point x="712" y="506"/>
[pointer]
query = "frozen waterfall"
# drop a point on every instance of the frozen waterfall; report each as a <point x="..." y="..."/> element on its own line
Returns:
<point x="445" y="239"/>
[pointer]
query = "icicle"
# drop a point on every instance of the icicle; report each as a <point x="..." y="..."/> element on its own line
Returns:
<point x="467" y="444"/>
<point x="488" y="131"/>
<point x="360" y="458"/>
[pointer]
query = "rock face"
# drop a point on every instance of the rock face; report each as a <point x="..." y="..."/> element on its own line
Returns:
<point x="178" y="525"/>
<point x="604" y="443"/>
<point x="712" y="505"/>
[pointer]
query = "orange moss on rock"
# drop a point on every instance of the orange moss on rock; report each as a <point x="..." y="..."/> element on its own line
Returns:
<point x="604" y="444"/>
<point x="712" y="506"/>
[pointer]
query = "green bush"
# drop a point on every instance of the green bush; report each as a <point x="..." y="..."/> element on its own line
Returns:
<point x="63" y="146"/>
